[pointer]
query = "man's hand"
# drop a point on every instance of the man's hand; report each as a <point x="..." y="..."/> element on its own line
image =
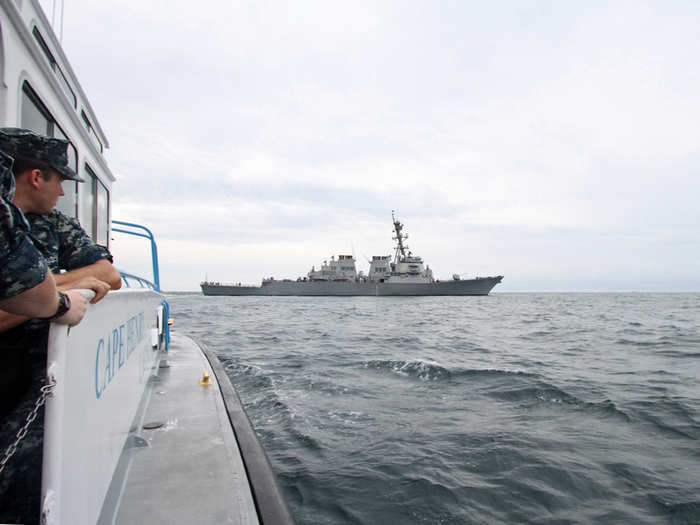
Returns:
<point x="102" y="270"/>
<point x="78" y="307"/>
<point x="88" y="283"/>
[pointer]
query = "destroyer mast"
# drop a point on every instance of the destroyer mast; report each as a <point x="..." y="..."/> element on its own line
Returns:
<point x="399" y="238"/>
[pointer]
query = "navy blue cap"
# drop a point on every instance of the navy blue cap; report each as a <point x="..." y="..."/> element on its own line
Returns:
<point x="18" y="142"/>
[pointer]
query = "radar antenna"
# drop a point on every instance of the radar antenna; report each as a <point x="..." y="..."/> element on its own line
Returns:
<point x="399" y="238"/>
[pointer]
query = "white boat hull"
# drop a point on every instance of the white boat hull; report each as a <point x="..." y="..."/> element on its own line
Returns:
<point x="101" y="368"/>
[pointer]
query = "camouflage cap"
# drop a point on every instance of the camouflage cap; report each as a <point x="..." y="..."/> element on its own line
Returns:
<point x="52" y="151"/>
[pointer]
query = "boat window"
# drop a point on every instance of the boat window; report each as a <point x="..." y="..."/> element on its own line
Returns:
<point x="68" y="203"/>
<point x="2" y="66"/>
<point x="62" y="80"/>
<point x="91" y="131"/>
<point x="36" y="117"/>
<point x="86" y="208"/>
<point x="102" y="233"/>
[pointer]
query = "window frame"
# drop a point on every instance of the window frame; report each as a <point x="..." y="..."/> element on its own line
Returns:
<point x="60" y="76"/>
<point x="90" y="182"/>
<point x="99" y="184"/>
<point x="51" y="129"/>
<point x="91" y="131"/>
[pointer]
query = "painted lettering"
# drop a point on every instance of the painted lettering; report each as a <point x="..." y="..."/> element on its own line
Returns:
<point x="115" y="348"/>
<point x="130" y="337"/>
<point x="98" y="390"/>
<point x="112" y="355"/>
<point x="121" y="345"/>
<point x="108" y="364"/>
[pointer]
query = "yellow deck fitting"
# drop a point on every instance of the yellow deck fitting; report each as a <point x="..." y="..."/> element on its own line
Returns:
<point x="205" y="381"/>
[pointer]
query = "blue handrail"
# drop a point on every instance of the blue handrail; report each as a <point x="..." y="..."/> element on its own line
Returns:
<point x="155" y="285"/>
<point x="154" y="249"/>
<point x="127" y="278"/>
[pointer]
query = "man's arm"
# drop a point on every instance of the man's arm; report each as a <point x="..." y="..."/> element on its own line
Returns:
<point x="101" y="270"/>
<point x="39" y="301"/>
<point x="10" y="320"/>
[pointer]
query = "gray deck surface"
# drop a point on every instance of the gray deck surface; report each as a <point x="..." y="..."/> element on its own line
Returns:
<point x="191" y="471"/>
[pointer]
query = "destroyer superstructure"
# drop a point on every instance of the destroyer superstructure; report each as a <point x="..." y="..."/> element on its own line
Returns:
<point x="405" y="274"/>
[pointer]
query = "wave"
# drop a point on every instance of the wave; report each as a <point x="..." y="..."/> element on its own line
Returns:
<point x="540" y="392"/>
<point x="669" y="416"/>
<point x="425" y="370"/>
<point x="681" y="513"/>
<point x="679" y="353"/>
<point x="606" y="408"/>
<point x="433" y="371"/>
<point x="243" y="375"/>
<point x="537" y="334"/>
<point x="630" y="342"/>
<point x="543" y="393"/>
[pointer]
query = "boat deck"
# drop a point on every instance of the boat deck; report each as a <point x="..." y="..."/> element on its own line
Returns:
<point x="189" y="468"/>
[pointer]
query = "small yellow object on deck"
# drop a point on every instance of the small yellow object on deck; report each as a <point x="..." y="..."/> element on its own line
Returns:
<point x="206" y="380"/>
<point x="170" y="320"/>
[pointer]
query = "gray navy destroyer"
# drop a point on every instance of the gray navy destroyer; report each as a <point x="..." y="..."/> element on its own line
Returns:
<point x="404" y="275"/>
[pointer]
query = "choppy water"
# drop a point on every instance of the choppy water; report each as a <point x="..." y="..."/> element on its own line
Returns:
<point x="512" y="408"/>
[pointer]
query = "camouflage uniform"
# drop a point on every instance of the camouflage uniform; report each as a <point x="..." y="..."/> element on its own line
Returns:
<point x="63" y="242"/>
<point x="60" y="239"/>
<point x="22" y="266"/>
<point x="65" y="246"/>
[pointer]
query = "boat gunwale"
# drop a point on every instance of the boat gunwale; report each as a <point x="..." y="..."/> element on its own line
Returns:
<point x="270" y="503"/>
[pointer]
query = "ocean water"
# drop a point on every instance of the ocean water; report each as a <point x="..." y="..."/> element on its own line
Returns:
<point x="511" y="408"/>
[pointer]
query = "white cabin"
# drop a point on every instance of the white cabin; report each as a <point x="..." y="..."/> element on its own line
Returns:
<point x="39" y="91"/>
<point x="380" y="268"/>
<point x="341" y="269"/>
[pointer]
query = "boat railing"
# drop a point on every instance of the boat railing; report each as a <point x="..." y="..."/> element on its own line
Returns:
<point x="137" y="230"/>
<point x="134" y="281"/>
<point x="237" y="285"/>
<point x="147" y="235"/>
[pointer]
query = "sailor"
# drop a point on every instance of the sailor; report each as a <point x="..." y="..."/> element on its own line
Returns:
<point x="41" y="163"/>
<point x="26" y="287"/>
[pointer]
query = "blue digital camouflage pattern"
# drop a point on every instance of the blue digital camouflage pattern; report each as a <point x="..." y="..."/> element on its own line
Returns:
<point x="22" y="265"/>
<point x="65" y="246"/>
<point x="63" y="242"/>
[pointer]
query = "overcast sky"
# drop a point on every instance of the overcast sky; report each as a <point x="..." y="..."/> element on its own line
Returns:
<point x="556" y="143"/>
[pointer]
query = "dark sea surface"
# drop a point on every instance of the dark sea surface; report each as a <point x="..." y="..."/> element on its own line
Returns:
<point x="511" y="408"/>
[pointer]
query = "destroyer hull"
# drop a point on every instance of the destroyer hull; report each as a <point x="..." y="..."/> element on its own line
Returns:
<point x="481" y="286"/>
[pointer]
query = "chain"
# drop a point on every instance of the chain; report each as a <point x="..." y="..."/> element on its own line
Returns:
<point x="46" y="391"/>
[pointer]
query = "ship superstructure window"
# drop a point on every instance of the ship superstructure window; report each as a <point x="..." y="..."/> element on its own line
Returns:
<point x="87" y="208"/>
<point x="102" y="220"/>
<point x="68" y="203"/>
<point x="91" y="131"/>
<point x="36" y="117"/>
<point x="62" y="80"/>
<point x="94" y="207"/>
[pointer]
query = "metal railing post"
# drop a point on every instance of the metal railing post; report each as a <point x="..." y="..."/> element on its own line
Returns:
<point x="156" y="270"/>
<point x="154" y="249"/>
